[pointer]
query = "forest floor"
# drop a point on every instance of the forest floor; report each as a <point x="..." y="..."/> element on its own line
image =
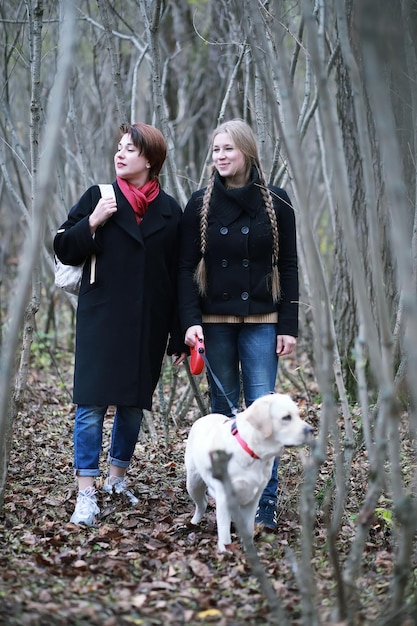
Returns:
<point x="147" y="565"/>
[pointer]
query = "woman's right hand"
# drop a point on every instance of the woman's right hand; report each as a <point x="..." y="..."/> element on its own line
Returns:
<point x="105" y="208"/>
<point x="192" y="334"/>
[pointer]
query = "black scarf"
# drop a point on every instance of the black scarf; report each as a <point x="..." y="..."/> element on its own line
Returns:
<point x="231" y="202"/>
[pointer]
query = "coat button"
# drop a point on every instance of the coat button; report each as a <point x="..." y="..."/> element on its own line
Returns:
<point x="224" y="230"/>
<point x="244" y="230"/>
<point x="225" y="296"/>
<point x="244" y="295"/>
<point x="224" y="263"/>
<point x="245" y="262"/>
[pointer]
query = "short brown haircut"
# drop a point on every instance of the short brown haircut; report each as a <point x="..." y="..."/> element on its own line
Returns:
<point x="150" y="142"/>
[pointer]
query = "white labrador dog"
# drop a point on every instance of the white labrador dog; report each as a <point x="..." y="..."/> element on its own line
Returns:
<point x="253" y="438"/>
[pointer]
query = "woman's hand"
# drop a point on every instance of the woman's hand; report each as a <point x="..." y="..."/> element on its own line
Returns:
<point x="285" y="344"/>
<point x="193" y="333"/>
<point x="105" y="208"/>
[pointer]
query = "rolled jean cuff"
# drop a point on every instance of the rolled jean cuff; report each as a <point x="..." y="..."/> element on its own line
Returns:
<point x="118" y="462"/>
<point x="86" y="472"/>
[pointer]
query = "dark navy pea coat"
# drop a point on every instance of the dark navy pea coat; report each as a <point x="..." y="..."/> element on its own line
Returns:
<point x="239" y="256"/>
<point x="128" y="317"/>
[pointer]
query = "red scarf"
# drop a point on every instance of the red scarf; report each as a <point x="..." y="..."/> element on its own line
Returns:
<point x="140" y="198"/>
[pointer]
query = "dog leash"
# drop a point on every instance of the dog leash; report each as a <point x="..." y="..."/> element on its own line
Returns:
<point x="197" y="362"/>
<point x="232" y="408"/>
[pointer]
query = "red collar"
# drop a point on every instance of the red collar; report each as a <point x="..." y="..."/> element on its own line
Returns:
<point x="243" y="442"/>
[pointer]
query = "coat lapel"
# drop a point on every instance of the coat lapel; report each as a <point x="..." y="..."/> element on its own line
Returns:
<point x="156" y="216"/>
<point x="125" y="217"/>
<point x="154" y="219"/>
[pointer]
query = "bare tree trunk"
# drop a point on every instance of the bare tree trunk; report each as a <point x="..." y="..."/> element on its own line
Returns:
<point x="121" y="108"/>
<point x="41" y="186"/>
<point x="219" y="462"/>
<point x="151" y="13"/>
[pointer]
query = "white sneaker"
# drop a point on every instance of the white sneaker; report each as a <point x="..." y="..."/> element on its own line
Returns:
<point x="86" y="507"/>
<point x="117" y="484"/>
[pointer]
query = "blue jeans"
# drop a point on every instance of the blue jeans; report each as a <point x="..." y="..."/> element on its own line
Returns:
<point x="88" y="437"/>
<point x="247" y="350"/>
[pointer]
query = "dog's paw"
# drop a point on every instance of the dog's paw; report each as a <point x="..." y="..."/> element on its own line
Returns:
<point x="228" y="548"/>
<point x="224" y="549"/>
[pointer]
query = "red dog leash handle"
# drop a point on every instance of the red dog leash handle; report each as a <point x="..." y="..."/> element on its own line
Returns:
<point x="196" y="360"/>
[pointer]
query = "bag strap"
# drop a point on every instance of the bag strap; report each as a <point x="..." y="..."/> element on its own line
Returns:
<point x="106" y="190"/>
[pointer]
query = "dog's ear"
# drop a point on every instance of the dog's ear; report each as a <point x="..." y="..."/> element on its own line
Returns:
<point x="260" y="418"/>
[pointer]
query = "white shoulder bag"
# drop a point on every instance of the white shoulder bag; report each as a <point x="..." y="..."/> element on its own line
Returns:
<point x="68" y="277"/>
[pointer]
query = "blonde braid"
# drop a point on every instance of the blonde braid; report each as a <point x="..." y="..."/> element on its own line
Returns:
<point x="269" y="206"/>
<point x="200" y="274"/>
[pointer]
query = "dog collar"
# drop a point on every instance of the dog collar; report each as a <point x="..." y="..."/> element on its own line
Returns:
<point x="242" y="442"/>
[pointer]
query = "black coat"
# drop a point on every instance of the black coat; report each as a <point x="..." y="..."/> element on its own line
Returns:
<point x="239" y="256"/>
<point x="125" y="318"/>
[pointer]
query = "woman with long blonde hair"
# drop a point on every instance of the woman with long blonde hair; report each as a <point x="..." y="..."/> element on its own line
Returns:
<point x="238" y="278"/>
